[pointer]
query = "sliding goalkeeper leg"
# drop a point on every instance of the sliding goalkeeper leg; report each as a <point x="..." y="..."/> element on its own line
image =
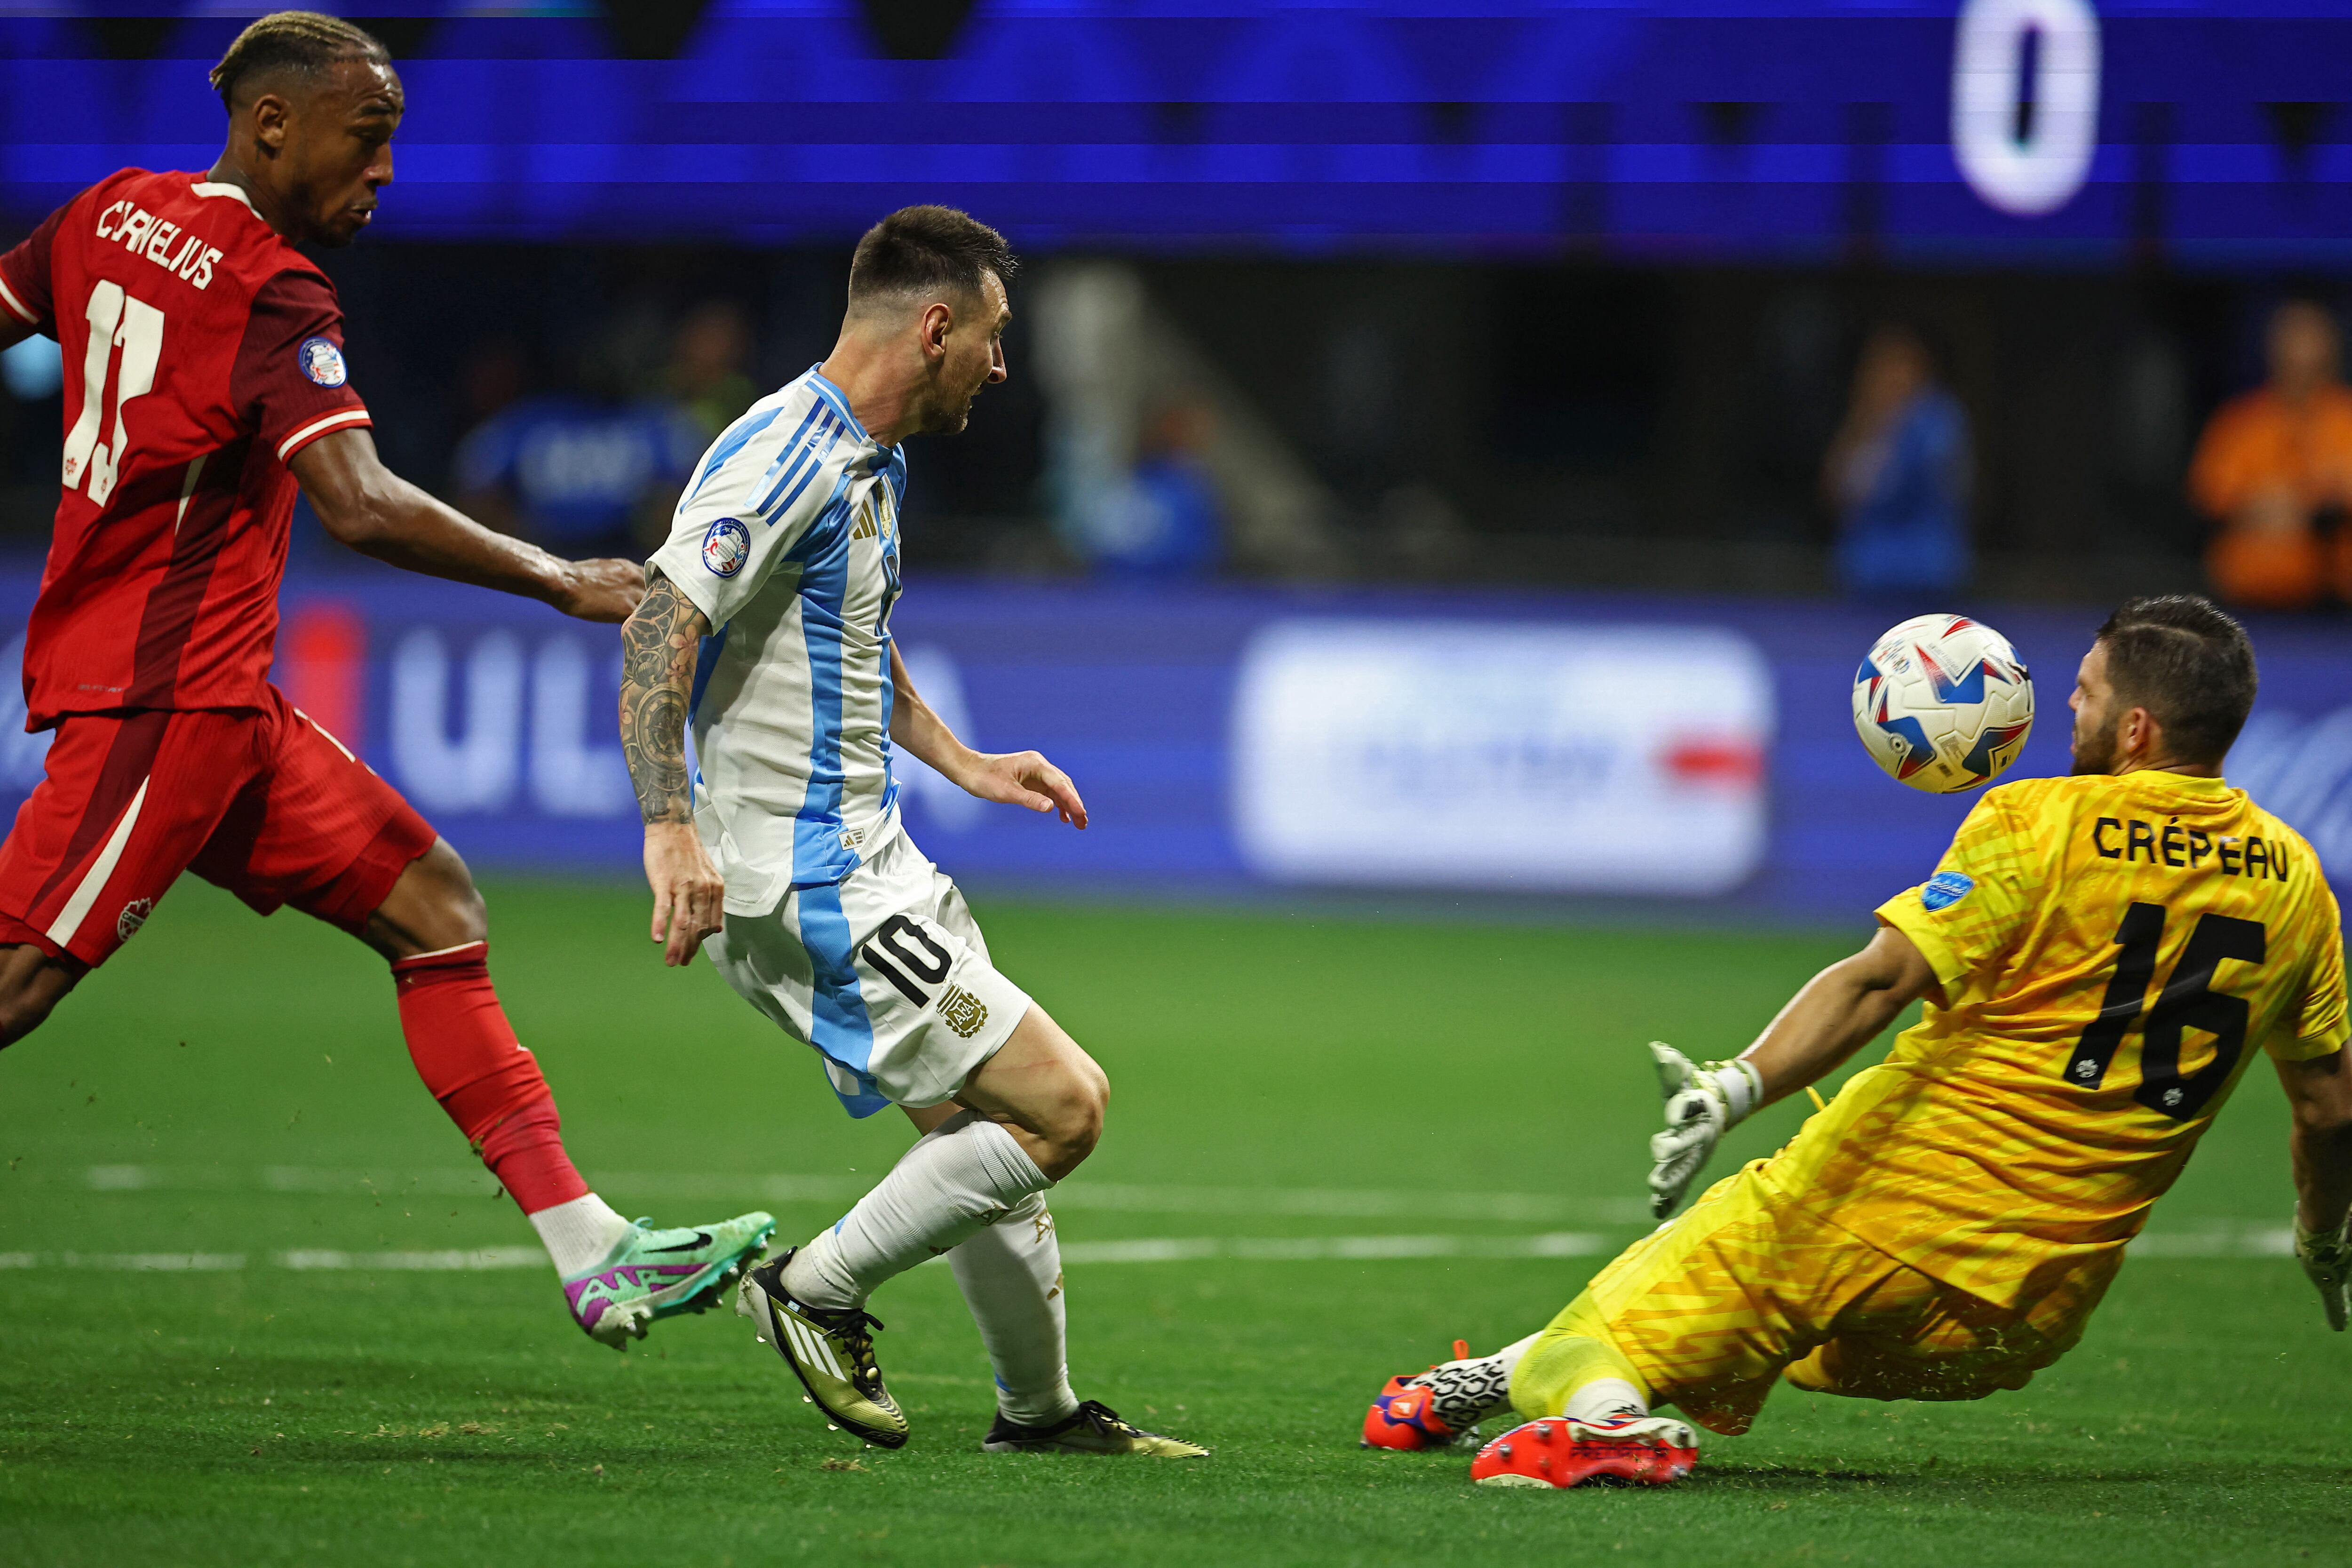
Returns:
<point x="1592" y="1419"/>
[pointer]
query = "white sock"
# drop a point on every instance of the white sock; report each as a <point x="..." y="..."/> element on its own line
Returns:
<point x="1467" y="1392"/>
<point x="960" y="1176"/>
<point x="1605" y="1399"/>
<point x="579" y="1234"/>
<point x="1010" y="1276"/>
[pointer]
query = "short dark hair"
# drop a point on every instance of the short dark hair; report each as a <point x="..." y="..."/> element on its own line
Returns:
<point x="927" y="249"/>
<point x="2186" y="663"/>
<point x="304" y="41"/>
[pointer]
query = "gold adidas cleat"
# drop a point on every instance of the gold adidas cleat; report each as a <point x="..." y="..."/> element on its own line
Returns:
<point x="831" y="1352"/>
<point x="1093" y="1428"/>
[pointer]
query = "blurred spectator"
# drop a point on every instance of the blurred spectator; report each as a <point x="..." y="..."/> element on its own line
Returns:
<point x="582" y="472"/>
<point x="1163" y="521"/>
<point x="494" y="376"/>
<point x="706" y="370"/>
<point x="32" y="369"/>
<point x="2274" y="470"/>
<point x="31" y="420"/>
<point x="1897" y="474"/>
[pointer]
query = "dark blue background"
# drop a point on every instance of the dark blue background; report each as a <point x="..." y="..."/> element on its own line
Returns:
<point x="1492" y="128"/>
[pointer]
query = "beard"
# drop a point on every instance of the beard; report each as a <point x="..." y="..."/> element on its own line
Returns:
<point x="947" y="413"/>
<point x="2094" y="750"/>
<point x="947" y="420"/>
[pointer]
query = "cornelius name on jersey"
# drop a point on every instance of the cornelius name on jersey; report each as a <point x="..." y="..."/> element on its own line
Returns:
<point x="2116" y="839"/>
<point x="140" y="232"/>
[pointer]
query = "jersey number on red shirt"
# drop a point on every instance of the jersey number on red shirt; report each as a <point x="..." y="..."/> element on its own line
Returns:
<point x="117" y="320"/>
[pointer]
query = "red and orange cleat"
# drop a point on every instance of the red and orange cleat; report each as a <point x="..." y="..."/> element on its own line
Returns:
<point x="1559" y="1453"/>
<point x="1402" y="1416"/>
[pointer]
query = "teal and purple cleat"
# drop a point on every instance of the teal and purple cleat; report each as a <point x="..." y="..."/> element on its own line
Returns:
<point x="660" y="1273"/>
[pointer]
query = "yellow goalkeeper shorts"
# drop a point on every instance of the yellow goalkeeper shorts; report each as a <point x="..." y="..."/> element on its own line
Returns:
<point x="1749" y="1286"/>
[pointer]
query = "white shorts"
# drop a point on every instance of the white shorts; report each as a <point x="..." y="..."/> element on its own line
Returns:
<point x="886" y="975"/>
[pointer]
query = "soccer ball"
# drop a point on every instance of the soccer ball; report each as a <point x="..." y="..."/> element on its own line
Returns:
<point x="1943" y="703"/>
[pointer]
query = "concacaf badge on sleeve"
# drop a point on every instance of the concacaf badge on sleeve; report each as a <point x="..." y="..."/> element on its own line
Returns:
<point x="1945" y="888"/>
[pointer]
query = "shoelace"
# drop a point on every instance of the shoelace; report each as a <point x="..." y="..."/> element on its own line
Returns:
<point x="855" y="1329"/>
<point x="1104" y="1420"/>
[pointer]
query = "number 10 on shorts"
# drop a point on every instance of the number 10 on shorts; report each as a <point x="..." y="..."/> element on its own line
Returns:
<point x="913" y="956"/>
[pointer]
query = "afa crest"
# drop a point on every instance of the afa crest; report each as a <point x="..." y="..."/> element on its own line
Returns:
<point x="961" y="1011"/>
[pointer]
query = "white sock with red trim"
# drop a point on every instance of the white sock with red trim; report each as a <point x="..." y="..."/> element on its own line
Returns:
<point x="581" y="1234"/>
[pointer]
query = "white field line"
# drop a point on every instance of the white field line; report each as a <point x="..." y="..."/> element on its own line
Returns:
<point x="1329" y="1203"/>
<point x="1158" y="1249"/>
<point x="144" y="1262"/>
<point x="2195" y="1238"/>
<point x="1308" y="1248"/>
<point x="447" y="1262"/>
<point x="2218" y="1238"/>
<point x="2212" y="1240"/>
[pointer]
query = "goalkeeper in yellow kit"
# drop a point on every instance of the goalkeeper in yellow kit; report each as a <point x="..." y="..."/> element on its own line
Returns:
<point x="2102" y="957"/>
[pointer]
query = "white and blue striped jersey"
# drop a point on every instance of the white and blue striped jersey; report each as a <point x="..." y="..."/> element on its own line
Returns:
<point x="787" y="540"/>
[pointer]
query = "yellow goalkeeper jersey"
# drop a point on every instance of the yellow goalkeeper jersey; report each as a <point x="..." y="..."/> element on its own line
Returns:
<point x="2112" y="953"/>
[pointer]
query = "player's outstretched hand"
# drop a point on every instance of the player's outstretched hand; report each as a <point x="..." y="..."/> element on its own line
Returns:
<point x="1702" y="1104"/>
<point x="689" y="895"/>
<point x="1025" y="778"/>
<point x="602" y="590"/>
<point x="2326" y="1258"/>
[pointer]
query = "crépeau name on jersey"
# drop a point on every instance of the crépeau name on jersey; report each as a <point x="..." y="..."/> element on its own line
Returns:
<point x="164" y="242"/>
<point x="2190" y="847"/>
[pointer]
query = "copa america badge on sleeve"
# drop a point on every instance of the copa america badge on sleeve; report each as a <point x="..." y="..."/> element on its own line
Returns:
<point x="725" y="545"/>
<point x="322" y="362"/>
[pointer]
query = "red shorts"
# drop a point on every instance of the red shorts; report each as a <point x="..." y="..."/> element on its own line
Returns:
<point x="259" y="801"/>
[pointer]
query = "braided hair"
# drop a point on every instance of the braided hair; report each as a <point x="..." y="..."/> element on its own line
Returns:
<point x="306" y="42"/>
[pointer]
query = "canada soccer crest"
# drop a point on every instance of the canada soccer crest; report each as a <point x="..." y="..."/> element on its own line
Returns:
<point x="134" y="915"/>
<point x="726" y="546"/>
<point x="322" y="362"/>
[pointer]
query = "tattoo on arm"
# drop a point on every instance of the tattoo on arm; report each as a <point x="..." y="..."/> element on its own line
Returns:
<point x="657" y="653"/>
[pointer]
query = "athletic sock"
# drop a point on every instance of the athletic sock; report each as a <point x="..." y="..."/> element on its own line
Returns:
<point x="1467" y="1392"/>
<point x="468" y="1055"/>
<point x="581" y="1234"/>
<point x="1010" y="1276"/>
<point x="959" y="1177"/>
<point x="1575" y="1375"/>
<point x="1605" y="1399"/>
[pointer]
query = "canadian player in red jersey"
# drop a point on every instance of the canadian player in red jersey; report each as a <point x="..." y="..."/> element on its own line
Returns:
<point x="205" y="381"/>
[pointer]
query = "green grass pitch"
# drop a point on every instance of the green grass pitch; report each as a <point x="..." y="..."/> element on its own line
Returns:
<point x="1290" y="1092"/>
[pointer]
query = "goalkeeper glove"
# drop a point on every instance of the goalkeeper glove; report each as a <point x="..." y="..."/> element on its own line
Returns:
<point x="1704" y="1100"/>
<point x="2327" y="1256"/>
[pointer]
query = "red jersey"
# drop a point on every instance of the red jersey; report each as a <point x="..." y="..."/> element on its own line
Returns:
<point x="202" y="351"/>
